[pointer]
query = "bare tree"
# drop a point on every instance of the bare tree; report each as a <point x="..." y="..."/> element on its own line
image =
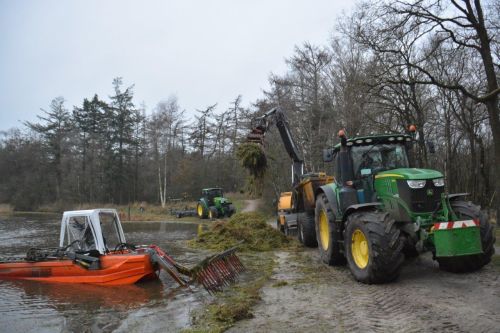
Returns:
<point x="455" y="28"/>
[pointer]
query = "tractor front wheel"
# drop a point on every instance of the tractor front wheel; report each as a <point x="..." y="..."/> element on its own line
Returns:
<point x="212" y="213"/>
<point x="230" y="211"/>
<point x="462" y="264"/>
<point x="373" y="247"/>
<point x="201" y="211"/>
<point x="327" y="233"/>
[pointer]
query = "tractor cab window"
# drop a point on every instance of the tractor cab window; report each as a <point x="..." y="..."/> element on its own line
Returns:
<point x="369" y="160"/>
<point x="110" y="230"/>
<point x="79" y="234"/>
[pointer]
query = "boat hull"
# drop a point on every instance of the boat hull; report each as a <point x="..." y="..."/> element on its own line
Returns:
<point x="116" y="269"/>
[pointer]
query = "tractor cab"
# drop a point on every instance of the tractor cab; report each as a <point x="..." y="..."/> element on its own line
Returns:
<point x="360" y="160"/>
<point x="91" y="230"/>
<point x="211" y="193"/>
<point x="371" y="169"/>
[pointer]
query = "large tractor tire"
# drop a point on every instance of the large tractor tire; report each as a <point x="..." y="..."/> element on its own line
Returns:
<point x="327" y="233"/>
<point x="280" y="227"/>
<point x="201" y="211"/>
<point x="292" y="232"/>
<point x="230" y="211"/>
<point x="307" y="230"/>
<point x="373" y="247"/>
<point x="470" y="263"/>
<point x="212" y="213"/>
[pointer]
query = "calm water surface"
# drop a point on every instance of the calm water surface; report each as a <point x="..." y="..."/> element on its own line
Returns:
<point x="154" y="306"/>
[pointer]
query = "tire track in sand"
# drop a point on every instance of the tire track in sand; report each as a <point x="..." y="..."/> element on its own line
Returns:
<point x="327" y="299"/>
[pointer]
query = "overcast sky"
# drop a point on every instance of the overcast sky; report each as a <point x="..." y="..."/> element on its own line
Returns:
<point x="204" y="52"/>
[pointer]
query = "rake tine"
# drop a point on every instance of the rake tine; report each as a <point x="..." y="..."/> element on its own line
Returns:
<point x="236" y="263"/>
<point x="217" y="277"/>
<point x="228" y="273"/>
<point x="239" y="263"/>
<point x="209" y="278"/>
<point x="217" y="274"/>
<point x="228" y="269"/>
<point x="216" y="264"/>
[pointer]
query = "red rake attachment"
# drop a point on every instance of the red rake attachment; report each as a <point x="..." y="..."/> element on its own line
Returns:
<point x="213" y="272"/>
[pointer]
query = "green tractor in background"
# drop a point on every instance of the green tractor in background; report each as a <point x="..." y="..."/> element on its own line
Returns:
<point x="212" y="204"/>
<point x="378" y="210"/>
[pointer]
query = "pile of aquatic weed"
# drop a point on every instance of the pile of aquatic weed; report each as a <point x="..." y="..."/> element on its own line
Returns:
<point x="254" y="238"/>
<point x="253" y="158"/>
<point x="248" y="231"/>
<point x="236" y="302"/>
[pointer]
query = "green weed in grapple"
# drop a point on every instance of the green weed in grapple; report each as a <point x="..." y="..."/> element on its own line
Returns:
<point x="252" y="158"/>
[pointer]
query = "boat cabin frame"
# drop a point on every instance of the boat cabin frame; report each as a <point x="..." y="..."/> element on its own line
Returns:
<point x="95" y="229"/>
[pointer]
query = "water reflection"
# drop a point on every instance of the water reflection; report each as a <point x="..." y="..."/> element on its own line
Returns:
<point x="158" y="305"/>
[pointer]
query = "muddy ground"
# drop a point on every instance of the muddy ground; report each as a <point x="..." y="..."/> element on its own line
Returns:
<point x="306" y="295"/>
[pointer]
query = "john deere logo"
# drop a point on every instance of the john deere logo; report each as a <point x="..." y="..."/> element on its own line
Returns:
<point x="430" y="192"/>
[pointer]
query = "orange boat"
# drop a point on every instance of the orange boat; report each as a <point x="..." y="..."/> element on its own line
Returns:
<point x="115" y="269"/>
<point x="93" y="250"/>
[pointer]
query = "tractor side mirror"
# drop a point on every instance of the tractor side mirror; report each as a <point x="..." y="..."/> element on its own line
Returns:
<point x="327" y="155"/>
<point x="431" y="147"/>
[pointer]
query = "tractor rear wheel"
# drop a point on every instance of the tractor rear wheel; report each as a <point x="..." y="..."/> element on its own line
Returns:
<point x="201" y="211"/>
<point x="212" y="213"/>
<point x="280" y="227"/>
<point x="461" y="264"/>
<point x="373" y="247"/>
<point x="327" y="233"/>
<point x="291" y="232"/>
<point x="307" y="230"/>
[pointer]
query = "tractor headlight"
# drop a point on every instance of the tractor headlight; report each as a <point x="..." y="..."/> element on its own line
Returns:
<point x="439" y="182"/>
<point x="416" y="183"/>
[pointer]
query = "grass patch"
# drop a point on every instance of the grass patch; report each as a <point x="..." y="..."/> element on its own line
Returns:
<point x="132" y="212"/>
<point x="280" y="283"/>
<point x="249" y="231"/>
<point x="235" y="303"/>
<point x="6" y="209"/>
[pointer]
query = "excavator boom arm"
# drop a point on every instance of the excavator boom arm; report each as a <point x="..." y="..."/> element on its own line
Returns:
<point x="277" y="117"/>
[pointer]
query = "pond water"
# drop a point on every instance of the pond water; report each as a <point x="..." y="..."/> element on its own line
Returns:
<point x="153" y="306"/>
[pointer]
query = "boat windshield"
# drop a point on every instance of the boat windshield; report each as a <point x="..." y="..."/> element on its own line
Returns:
<point x="80" y="234"/>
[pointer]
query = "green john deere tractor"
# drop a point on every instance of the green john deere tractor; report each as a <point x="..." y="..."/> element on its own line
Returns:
<point x="212" y="204"/>
<point x="379" y="210"/>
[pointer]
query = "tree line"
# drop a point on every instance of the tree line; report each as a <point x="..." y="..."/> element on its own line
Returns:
<point x="112" y="151"/>
<point x="388" y="64"/>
